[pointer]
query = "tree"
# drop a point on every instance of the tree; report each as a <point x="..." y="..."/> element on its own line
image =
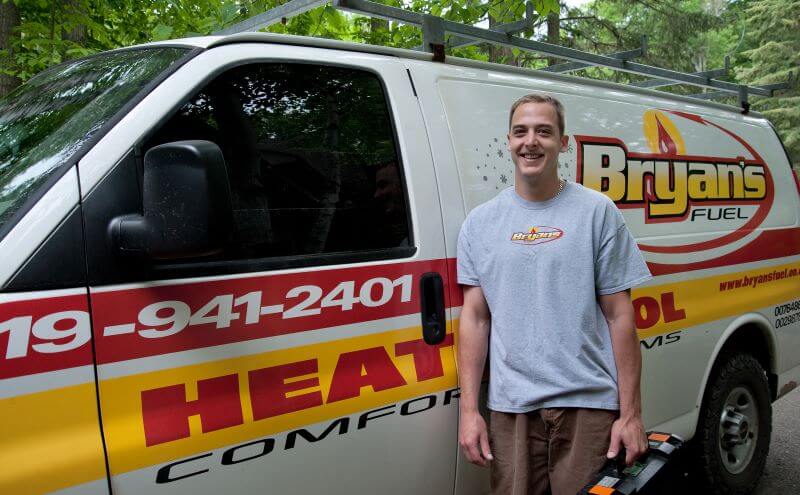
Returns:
<point x="74" y="32"/>
<point x="675" y="30"/>
<point x="774" y="27"/>
<point x="498" y="53"/>
<point x="553" y="33"/>
<point x="762" y="36"/>
<point x="9" y="22"/>
<point x="41" y="33"/>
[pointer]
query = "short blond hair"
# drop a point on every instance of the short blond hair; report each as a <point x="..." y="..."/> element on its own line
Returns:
<point x="536" y="98"/>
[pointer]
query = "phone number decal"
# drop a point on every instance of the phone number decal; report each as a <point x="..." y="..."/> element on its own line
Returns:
<point x="44" y="335"/>
<point x="150" y="321"/>
<point x="52" y="333"/>
<point x="166" y="318"/>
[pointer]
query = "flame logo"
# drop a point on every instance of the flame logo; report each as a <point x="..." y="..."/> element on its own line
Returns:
<point x="537" y="235"/>
<point x="662" y="134"/>
<point x="667" y="183"/>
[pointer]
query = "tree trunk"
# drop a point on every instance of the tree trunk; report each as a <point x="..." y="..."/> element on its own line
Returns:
<point x="9" y="19"/>
<point x="74" y="10"/>
<point x="497" y="53"/>
<point x="53" y="20"/>
<point x="376" y="24"/>
<point x="700" y="59"/>
<point x="553" y="34"/>
<point x="377" y="29"/>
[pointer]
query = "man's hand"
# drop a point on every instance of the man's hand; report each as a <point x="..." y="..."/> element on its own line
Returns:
<point x="628" y="433"/>
<point x="472" y="345"/>
<point x="474" y="439"/>
<point x="628" y="430"/>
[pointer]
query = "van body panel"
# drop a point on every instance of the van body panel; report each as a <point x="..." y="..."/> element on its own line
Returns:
<point x="732" y="326"/>
<point x="708" y="254"/>
<point x="312" y="374"/>
<point x="63" y="248"/>
<point x="47" y="388"/>
<point x="254" y="474"/>
<point x="249" y="387"/>
<point x="48" y="404"/>
<point x="37" y="224"/>
<point x="97" y="487"/>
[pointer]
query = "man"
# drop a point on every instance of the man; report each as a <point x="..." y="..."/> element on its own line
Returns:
<point x="389" y="190"/>
<point x="547" y="268"/>
<point x="390" y="198"/>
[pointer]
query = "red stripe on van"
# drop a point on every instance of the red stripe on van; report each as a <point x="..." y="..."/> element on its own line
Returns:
<point x="48" y="350"/>
<point x="770" y="244"/>
<point x="40" y="335"/>
<point x="296" y="306"/>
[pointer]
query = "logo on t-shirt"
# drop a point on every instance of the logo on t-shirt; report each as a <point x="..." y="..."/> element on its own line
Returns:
<point x="537" y="235"/>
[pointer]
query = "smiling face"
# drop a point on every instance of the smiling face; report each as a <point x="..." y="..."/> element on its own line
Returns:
<point x="535" y="141"/>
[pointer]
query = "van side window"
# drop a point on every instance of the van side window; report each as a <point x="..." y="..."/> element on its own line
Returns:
<point x="311" y="159"/>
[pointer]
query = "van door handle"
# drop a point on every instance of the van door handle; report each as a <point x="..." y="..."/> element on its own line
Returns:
<point x="432" y="308"/>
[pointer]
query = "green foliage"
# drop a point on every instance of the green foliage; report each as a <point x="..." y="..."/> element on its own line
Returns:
<point x="775" y="32"/>
<point x="43" y="37"/>
<point x="47" y="120"/>
<point x="762" y="37"/>
<point x="677" y="33"/>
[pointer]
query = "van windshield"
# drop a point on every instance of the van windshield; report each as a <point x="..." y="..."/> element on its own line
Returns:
<point x="46" y="121"/>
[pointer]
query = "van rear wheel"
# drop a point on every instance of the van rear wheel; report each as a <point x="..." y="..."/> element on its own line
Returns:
<point x="735" y="424"/>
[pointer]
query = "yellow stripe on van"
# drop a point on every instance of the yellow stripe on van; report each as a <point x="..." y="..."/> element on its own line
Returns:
<point x="57" y="431"/>
<point x="695" y="301"/>
<point x="50" y="440"/>
<point x="126" y="413"/>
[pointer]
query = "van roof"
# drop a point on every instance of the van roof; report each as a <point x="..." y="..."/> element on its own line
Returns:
<point x="207" y="42"/>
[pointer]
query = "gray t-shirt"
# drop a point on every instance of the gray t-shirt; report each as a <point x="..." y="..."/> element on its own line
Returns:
<point x="541" y="266"/>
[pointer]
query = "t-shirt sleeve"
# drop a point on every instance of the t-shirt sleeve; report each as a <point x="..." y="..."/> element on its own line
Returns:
<point x="619" y="265"/>
<point x="467" y="275"/>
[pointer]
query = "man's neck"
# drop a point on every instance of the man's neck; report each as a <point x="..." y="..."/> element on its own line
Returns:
<point x="537" y="190"/>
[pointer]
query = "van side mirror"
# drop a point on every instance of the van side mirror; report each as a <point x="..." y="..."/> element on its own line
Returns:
<point x="187" y="208"/>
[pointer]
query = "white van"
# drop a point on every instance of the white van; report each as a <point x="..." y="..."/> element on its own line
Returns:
<point x="228" y="265"/>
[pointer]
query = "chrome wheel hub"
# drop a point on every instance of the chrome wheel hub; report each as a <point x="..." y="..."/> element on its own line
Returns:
<point x="738" y="430"/>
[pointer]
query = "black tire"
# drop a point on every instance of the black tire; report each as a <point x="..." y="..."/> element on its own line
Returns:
<point x="730" y="454"/>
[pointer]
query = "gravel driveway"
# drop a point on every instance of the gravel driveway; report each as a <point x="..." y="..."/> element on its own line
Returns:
<point x="782" y="474"/>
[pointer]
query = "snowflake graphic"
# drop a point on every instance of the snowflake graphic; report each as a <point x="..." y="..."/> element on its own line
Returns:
<point x="493" y="168"/>
<point x="567" y="162"/>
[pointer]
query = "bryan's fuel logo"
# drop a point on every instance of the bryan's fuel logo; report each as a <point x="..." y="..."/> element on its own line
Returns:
<point x="537" y="235"/>
<point x="668" y="182"/>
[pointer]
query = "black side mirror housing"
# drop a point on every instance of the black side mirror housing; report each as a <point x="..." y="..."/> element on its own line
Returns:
<point x="186" y="204"/>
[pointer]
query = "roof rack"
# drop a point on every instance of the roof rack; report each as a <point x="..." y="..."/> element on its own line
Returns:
<point x="434" y="30"/>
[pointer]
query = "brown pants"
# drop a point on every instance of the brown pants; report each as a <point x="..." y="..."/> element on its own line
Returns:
<point x="548" y="450"/>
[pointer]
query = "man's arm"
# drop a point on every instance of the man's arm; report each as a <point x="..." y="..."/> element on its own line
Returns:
<point x="473" y="344"/>
<point x="628" y="430"/>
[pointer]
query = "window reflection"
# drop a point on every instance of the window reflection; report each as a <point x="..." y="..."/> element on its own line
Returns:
<point x="310" y="155"/>
<point x="44" y="122"/>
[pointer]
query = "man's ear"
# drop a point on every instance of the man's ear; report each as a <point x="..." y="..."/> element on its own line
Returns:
<point x="508" y="141"/>
<point x="564" y="143"/>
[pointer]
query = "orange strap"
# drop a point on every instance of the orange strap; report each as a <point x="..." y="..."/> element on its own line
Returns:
<point x="658" y="437"/>
<point x="601" y="490"/>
